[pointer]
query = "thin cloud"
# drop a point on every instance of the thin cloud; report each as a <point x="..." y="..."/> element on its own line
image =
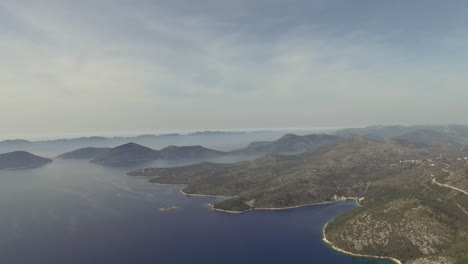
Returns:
<point x="114" y="66"/>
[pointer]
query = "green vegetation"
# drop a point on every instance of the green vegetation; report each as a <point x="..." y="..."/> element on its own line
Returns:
<point x="404" y="213"/>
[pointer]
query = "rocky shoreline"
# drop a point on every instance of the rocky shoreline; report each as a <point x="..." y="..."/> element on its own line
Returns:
<point x="358" y="201"/>
<point x="272" y="208"/>
<point x="353" y="254"/>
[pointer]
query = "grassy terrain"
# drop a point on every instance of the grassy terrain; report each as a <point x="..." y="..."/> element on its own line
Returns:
<point x="404" y="214"/>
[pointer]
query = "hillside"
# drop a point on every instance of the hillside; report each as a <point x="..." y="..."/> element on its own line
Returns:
<point x="187" y="152"/>
<point x="21" y="160"/>
<point x="126" y="153"/>
<point x="288" y="144"/>
<point x="136" y="152"/>
<point x="425" y="137"/>
<point x="225" y="141"/>
<point x="404" y="213"/>
<point x="457" y="133"/>
<point x="84" y="153"/>
<point x="281" y="181"/>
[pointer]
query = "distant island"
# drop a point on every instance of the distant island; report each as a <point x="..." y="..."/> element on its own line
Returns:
<point x="21" y="160"/>
<point x="134" y="152"/>
<point x="288" y="144"/>
<point x="125" y="153"/>
<point x="210" y="139"/>
<point x="412" y="191"/>
<point x="88" y="153"/>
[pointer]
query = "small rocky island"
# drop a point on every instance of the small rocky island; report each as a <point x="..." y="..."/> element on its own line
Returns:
<point x="168" y="208"/>
<point x="21" y="160"/>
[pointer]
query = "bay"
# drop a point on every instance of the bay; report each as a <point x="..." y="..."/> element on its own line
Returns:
<point x="79" y="212"/>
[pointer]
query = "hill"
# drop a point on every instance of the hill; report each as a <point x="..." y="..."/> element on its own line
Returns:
<point x="21" y="160"/>
<point x="135" y="152"/>
<point x="407" y="212"/>
<point x="459" y="133"/>
<point x="84" y="153"/>
<point x="425" y="137"/>
<point x="288" y="144"/>
<point x="282" y="181"/>
<point x="126" y="153"/>
<point x="379" y="133"/>
<point x="187" y="152"/>
<point x="225" y="141"/>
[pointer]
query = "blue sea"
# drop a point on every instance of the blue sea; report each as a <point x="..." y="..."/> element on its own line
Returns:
<point x="79" y="212"/>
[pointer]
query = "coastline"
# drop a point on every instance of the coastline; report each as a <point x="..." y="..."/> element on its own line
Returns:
<point x="203" y="195"/>
<point x="166" y="184"/>
<point x="189" y="194"/>
<point x="353" y="254"/>
<point x="324" y="239"/>
<point x="342" y="199"/>
<point x="227" y="211"/>
<point x="356" y="199"/>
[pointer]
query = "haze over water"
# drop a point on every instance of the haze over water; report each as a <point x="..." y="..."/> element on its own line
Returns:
<point x="79" y="212"/>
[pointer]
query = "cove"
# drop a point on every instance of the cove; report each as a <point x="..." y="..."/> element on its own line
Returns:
<point x="78" y="212"/>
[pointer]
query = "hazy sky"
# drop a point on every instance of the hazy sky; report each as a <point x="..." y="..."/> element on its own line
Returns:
<point x="103" y="66"/>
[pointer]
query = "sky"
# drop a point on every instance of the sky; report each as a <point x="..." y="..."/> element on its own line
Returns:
<point x="113" y="66"/>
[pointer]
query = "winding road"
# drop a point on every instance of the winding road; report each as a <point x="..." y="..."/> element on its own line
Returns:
<point x="448" y="186"/>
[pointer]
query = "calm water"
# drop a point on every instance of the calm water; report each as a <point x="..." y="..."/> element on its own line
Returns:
<point x="78" y="212"/>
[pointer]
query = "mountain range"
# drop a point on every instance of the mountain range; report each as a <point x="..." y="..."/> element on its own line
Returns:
<point x="225" y="141"/>
<point x="381" y="133"/>
<point x="288" y="144"/>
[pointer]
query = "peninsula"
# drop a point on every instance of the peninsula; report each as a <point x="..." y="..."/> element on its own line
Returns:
<point x="404" y="215"/>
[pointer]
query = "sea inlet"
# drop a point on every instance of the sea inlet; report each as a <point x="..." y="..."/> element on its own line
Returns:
<point x="79" y="212"/>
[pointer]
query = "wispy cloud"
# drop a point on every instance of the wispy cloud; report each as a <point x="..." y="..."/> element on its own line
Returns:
<point x="115" y="65"/>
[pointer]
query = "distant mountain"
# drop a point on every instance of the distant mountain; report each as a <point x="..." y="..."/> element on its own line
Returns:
<point x="15" y="141"/>
<point x="84" y="153"/>
<point x="459" y="133"/>
<point x="225" y="141"/>
<point x="379" y="133"/>
<point x="150" y="137"/>
<point x="425" y="137"/>
<point x="21" y="160"/>
<point x="288" y="144"/>
<point x="215" y="133"/>
<point x="187" y="152"/>
<point x="125" y="153"/>
<point x="136" y="152"/>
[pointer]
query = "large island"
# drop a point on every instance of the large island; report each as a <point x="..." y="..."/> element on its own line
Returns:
<point x="409" y="212"/>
